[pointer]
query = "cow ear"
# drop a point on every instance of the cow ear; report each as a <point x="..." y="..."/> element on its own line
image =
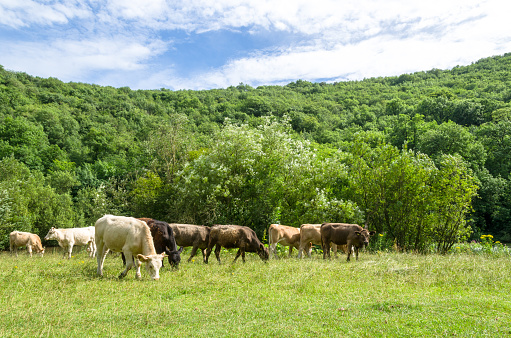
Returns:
<point x="142" y="258"/>
<point x="180" y="250"/>
<point x="261" y="246"/>
<point x="357" y="233"/>
<point x="372" y="233"/>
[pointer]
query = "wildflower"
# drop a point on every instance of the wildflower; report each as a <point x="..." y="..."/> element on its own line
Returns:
<point x="381" y="235"/>
<point x="82" y="262"/>
<point x="15" y="266"/>
<point x="497" y="242"/>
<point x="457" y="247"/>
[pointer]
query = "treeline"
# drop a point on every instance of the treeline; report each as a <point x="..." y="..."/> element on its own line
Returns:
<point x="423" y="157"/>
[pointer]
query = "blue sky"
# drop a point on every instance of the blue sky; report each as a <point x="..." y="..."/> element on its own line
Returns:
<point x="199" y="44"/>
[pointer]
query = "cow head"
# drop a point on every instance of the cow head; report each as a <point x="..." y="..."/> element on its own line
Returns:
<point x="51" y="234"/>
<point x="363" y="237"/>
<point x="41" y="252"/>
<point x="174" y="257"/>
<point x="263" y="252"/>
<point x="152" y="264"/>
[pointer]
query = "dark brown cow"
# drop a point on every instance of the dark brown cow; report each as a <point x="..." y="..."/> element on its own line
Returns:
<point x="353" y="235"/>
<point x="163" y="240"/>
<point x="235" y="236"/>
<point x="196" y="236"/>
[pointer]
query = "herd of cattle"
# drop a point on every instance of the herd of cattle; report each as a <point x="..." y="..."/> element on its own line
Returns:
<point x="145" y="240"/>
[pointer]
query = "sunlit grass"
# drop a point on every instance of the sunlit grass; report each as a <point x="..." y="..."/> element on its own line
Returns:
<point x="384" y="294"/>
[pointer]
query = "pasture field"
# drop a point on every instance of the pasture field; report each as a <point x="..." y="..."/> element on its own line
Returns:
<point x="381" y="295"/>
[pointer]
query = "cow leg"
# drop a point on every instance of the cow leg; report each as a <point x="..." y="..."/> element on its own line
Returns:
<point x="29" y="250"/>
<point x="290" y="251"/>
<point x="243" y="255"/>
<point x="217" y="252"/>
<point x="138" y="264"/>
<point x="203" y="255"/>
<point x="326" y="250"/>
<point x="348" y="247"/>
<point x="208" y="252"/>
<point x="356" y="252"/>
<point x="237" y="255"/>
<point x="101" y="257"/>
<point x="334" y="249"/>
<point x="70" y="251"/>
<point x="309" y="250"/>
<point x="273" y="249"/>
<point x="194" y="252"/>
<point x="129" y="264"/>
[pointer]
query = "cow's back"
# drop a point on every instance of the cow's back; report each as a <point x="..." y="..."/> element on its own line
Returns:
<point x="18" y="238"/>
<point x="227" y="236"/>
<point x="117" y="231"/>
<point x="339" y="233"/>
<point x="190" y="234"/>
<point x="310" y="233"/>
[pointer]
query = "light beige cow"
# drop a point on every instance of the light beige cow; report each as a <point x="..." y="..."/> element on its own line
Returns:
<point x="67" y="238"/>
<point x="310" y="234"/>
<point x="27" y="239"/>
<point x="131" y="237"/>
<point x="285" y="236"/>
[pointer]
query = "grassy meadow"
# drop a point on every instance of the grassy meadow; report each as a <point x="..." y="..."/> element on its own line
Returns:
<point x="380" y="295"/>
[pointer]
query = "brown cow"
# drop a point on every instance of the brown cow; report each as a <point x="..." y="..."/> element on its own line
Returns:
<point x="31" y="241"/>
<point x="353" y="235"/>
<point x="235" y="236"/>
<point x="285" y="236"/>
<point x="196" y="236"/>
<point x="310" y="234"/>
<point x="163" y="240"/>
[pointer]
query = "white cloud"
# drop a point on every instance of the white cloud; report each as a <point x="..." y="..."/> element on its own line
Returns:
<point x="22" y="13"/>
<point x="68" y="59"/>
<point x="324" y="38"/>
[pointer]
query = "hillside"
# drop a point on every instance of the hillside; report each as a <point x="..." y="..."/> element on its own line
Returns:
<point x="72" y="152"/>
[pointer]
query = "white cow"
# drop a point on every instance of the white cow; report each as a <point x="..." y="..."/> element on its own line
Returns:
<point x="133" y="238"/>
<point x="27" y="239"/>
<point x="67" y="238"/>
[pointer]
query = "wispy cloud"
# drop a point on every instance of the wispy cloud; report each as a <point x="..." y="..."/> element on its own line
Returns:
<point x="137" y="40"/>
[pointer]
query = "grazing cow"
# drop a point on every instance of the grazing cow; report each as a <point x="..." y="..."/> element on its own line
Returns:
<point x="353" y="235"/>
<point x="164" y="240"/>
<point x="310" y="234"/>
<point x="67" y="238"/>
<point x="235" y="236"/>
<point x="283" y="235"/>
<point x="131" y="237"/>
<point x="196" y="236"/>
<point x="31" y="241"/>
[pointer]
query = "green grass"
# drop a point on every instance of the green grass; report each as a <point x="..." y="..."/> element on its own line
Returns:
<point x="385" y="295"/>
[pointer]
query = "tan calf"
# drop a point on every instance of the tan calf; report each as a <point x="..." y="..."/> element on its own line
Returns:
<point x="31" y="241"/>
<point x="310" y="234"/>
<point x="285" y="236"/>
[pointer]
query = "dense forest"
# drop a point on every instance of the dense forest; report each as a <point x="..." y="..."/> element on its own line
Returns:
<point x="424" y="158"/>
